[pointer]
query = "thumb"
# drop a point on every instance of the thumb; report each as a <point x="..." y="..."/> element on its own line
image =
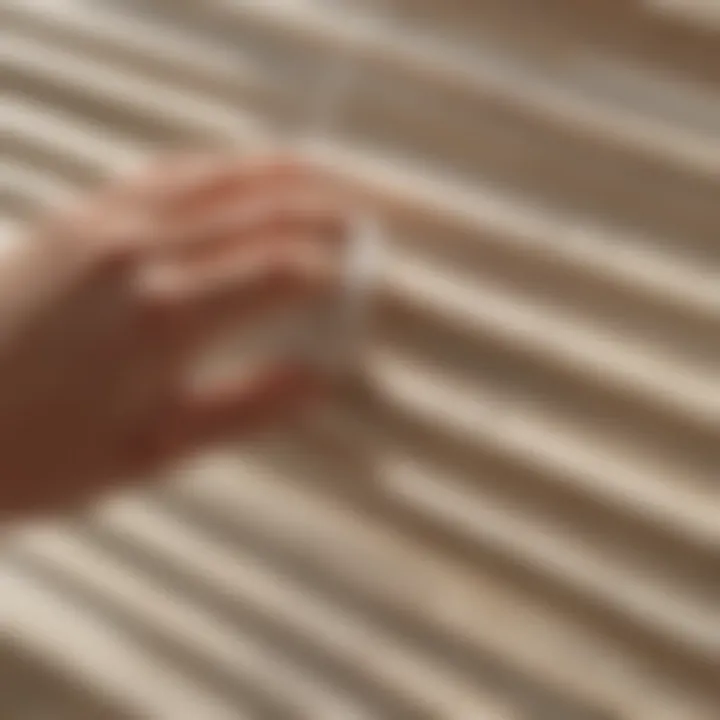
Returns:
<point x="236" y="408"/>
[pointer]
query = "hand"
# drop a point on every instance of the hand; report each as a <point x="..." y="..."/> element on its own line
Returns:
<point x="104" y="310"/>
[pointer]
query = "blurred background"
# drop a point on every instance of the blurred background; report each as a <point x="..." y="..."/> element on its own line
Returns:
<point x="517" y="516"/>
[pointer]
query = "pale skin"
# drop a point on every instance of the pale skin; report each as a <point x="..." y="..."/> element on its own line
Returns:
<point x="105" y="307"/>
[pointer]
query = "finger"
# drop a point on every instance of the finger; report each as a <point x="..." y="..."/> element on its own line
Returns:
<point x="166" y="177"/>
<point x="256" y="221"/>
<point x="192" y="200"/>
<point x="234" y="180"/>
<point x="121" y="213"/>
<point x="139" y="201"/>
<point x="202" y="301"/>
<point x="237" y="408"/>
<point x="180" y="182"/>
<point x="291" y="277"/>
<point x="130" y="212"/>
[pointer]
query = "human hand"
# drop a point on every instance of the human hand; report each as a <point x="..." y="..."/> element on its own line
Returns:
<point x="105" y="309"/>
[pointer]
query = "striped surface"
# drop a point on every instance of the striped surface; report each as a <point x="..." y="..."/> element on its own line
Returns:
<point x="517" y="515"/>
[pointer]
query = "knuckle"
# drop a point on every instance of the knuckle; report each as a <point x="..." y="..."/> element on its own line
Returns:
<point x="159" y="303"/>
<point x="284" y="217"/>
<point x="163" y="164"/>
<point x="276" y="162"/>
<point x="157" y="297"/>
<point x="286" y="273"/>
<point x="116" y="258"/>
<point x="157" y="317"/>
